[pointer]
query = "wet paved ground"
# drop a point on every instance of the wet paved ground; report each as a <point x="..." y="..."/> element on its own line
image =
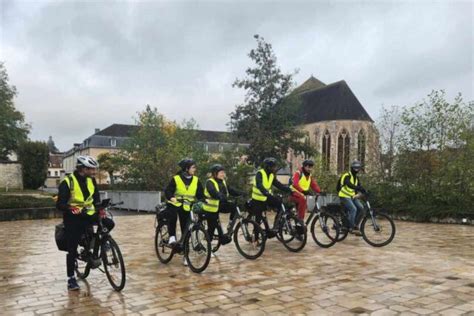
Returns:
<point x="428" y="269"/>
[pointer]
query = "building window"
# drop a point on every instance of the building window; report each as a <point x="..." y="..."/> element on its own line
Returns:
<point x="113" y="142"/>
<point x="56" y="173"/>
<point x="361" y="143"/>
<point x="49" y="173"/>
<point x="206" y="147"/>
<point x="343" y="150"/>
<point x="326" y="150"/>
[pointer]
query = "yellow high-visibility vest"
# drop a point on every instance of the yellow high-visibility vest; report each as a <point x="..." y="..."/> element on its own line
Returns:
<point x="267" y="181"/>
<point x="345" y="191"/>
<point x="186" y="194"/>
<point x="77" y="198"/>
<point x="212" y="205"/>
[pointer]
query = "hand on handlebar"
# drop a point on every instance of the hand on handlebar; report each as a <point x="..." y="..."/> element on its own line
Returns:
<point x="75" y="210"/>
<point x="174" y="200"/>
<point x="102" y="213"/>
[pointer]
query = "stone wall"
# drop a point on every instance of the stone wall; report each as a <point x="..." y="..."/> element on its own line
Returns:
<point x="11" y="175"/>
<point x="316" y="133"/>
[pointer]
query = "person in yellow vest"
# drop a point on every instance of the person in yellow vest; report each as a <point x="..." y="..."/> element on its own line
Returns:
<point x="77" y="199"/>
<point x="302" y="182"/>
<point x="262" y="193"/>
<point x="183" y="190"/>
<point x="348" y="187"/>
<point x="217" y="192"/>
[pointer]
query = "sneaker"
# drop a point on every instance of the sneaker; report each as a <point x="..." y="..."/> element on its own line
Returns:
<point x="72" y="284"/>
<point x="185" y="262"/>
<point x="355" y="232"/>
<point x="225" y="240"/>
<point x="172" y="240"/>
<point x="213" y="254"/>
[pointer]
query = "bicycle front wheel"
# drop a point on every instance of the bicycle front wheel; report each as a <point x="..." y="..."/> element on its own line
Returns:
<point x="197" y="248"/>
<point x="293" y="233"/>
<point x="249" y="239"/>
<point x="325" y="230"/>
<point x="379" y="230"/>
<point x="164" y="251"/>
<point x="113" y="263"/>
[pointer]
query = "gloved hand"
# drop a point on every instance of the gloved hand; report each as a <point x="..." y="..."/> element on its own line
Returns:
<point x="306" y="192"/>
<point x="102" y="213"/>
<point x="75" y="210"/>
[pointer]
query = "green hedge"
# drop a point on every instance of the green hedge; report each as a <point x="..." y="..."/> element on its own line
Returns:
<point x="24" y="201"/>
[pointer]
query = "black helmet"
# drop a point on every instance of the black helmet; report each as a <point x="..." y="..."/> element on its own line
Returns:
<point x="186" y="163"/>
<point x="356" y="164"/>
<point x="216" y="168"/>
<point x="269" y="162"/>
<point x="308" y="162"/>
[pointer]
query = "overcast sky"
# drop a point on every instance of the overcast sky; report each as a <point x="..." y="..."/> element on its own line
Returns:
<point x="87" y="64"/>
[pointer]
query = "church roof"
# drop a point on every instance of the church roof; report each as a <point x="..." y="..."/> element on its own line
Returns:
<point x="335" y="101"/>
<point x="310" y="84"/>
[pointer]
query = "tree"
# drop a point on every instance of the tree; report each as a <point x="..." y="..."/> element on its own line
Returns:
<point x="389" y="127"/>
<point x="13" y="129"/>
<point x="267" y="119"/>
<point x="109" y="163"/>
<point x="34" y="157"/>
<point x="149" y="159"/>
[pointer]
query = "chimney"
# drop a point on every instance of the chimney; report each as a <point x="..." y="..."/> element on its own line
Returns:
<point x="97" y="130"/>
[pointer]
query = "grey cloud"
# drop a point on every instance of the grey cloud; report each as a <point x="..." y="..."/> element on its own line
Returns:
<point x="103" y="61"/>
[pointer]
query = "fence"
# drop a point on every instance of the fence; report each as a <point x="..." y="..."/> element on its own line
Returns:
<point x="145" y="201"/>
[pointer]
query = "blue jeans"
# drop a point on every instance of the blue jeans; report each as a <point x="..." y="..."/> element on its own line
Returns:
<point x="353" y="206"/>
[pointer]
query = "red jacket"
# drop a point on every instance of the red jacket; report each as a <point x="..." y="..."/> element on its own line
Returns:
<point x="296" y="180"/>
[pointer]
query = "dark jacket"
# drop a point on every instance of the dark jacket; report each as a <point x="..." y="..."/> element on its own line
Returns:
<point x="275" y="183"/>
<point x="221" y="195"/>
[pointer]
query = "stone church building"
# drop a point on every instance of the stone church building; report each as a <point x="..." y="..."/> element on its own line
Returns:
<point x="337" y="125"/>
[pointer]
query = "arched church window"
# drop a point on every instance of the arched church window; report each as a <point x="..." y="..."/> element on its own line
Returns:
<point x="343" y="151"/>
<point x="326" y="150"/>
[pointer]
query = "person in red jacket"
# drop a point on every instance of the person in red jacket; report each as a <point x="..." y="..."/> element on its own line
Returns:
<point x="301" y="183"/>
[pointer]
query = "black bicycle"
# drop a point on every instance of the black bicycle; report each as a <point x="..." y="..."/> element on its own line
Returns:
<point x="324" y="226"/>
<point x="195" y="244"/>
<point x="287" y="227"/>
<point x="377" y="228"/>
<point x="97" y="248"/>
<point x="248" y="236"/>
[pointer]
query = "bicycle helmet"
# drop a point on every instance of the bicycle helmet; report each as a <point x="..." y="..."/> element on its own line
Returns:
<point x="186" y="163"/>
<point x="269" y="162"/>
<point x="87" y="161"/>
<point x="308" y="162"/>
<point x="356" y="164"/>
<point x="216" y="168"/>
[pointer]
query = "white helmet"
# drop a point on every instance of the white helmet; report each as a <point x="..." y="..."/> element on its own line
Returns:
<point x="87" y="161"/>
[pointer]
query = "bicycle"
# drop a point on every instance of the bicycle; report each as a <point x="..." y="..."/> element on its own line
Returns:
<point x="287" y="227"/>
<point x="195" y="245"/>
<point x="377" y="228"/>
<point x="324" y="226"/>
<point x="248" y="236"/>
<point x="105" y="251"/>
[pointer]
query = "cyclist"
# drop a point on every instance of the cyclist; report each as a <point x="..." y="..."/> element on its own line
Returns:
<point x="262" y="196"/>
<point x="183" y="190"/>
<point x="348" y="187"/>
<point x="217" y="191"/>
<point x="77" y="197"/>
<point x="302" y="182"/>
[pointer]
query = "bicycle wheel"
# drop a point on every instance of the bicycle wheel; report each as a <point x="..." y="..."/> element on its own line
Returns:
<point x="378" y="231"/>
<point x="249" y="239"/>
<point x="325" y="230"/>
<point x="293" y="233"/>
<point x="197" y="248"/>
<point x="164" y="251"/>
<point x="113" y="263"/>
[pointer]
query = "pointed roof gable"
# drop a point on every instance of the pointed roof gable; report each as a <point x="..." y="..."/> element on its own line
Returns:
<point x="335" y="101"/>
<point x="310" y="84"/>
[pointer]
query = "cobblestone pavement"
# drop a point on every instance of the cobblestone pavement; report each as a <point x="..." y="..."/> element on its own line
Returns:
<point x="428" y="269"/>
